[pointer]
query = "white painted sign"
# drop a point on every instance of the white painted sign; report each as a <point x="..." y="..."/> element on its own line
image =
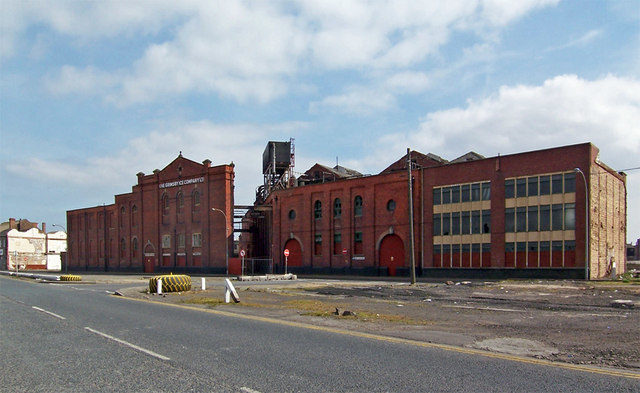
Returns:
<point x="181" y="182"/>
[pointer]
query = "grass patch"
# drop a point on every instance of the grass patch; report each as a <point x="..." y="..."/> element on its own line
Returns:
<point x="204" y="301"/>
<point x="318" y="308"/>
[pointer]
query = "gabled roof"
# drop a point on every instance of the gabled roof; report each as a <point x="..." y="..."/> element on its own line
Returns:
<point x="418" y="159"/>
<point x="323" y="173"/>
<point x="470" y="156"/>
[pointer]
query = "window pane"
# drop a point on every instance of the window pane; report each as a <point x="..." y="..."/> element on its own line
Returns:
<point x="570" y="182"/>
<point x="455" y="223"/>
<point x="446" y="220"/>
<point x="521" y="246"/>
<point x="521" y="188"/>
<point x="532" y="186"/>
<point x="475" y="192"/>
<point x="466" y="193"/>
<point x="521" y="219"/>
<point x="486" y="191"/>
<point x="475" y="221"/>
<point x="446" y="195"/>
<point x="556" y="217"/>
<point x="486" y="221"/>
<point x="455" y="194"/>
<point x="437" y="249"/>
<point x="436" y="196"/>
<point x="545" y="183"/>
<point x="357" y="206"/>
<point x="317" y="212"/>
<point x="437" y="226"/>
<point x="509" y="191"/>
<point x="466" y="223"/>
<point x="337" y="208"/>
<point x="569" y="216"/>
<point x="532" y="219"/>
<point x="509" y="247"/>
<point x="556" y="184"/>
<point x="509" y="220"/>
<point x="545" y="217"/>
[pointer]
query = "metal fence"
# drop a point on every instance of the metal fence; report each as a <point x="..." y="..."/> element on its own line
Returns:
<point x="254" y="266"/>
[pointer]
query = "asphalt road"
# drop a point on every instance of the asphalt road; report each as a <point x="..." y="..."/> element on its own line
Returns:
<point x="79" y="338"/>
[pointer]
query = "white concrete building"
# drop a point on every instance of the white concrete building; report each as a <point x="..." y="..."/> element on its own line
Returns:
<point x="34" y="250"/>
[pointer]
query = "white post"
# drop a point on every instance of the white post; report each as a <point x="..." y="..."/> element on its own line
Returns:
<point x="159" y="287"/>
<point x="227" y="296"/>
<point x="204" y="285"/>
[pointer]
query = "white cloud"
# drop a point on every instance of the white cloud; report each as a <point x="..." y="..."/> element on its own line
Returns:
<point x="241" y="143"/>
<point x="357" y="101"/>
<point x="254" y="50"/>
<point x="563" y="110"/>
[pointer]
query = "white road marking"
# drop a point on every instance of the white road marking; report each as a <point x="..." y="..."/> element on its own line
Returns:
<point x="248" y="390"/>
<point x="148" y="352"/>
<point x="48" y="312"/>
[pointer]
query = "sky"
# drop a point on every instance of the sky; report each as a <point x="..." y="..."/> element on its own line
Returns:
<point x="93" y="92"/>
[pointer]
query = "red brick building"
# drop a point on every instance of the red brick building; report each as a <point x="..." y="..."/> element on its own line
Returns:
<point x="165" y="224"/>
<point x="519" y="215"/>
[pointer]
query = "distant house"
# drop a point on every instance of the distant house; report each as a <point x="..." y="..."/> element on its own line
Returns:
<point x="23" y="244"/>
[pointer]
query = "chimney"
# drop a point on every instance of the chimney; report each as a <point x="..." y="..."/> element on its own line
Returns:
<point x="44" y="227"/>
<point x="207" y="163"/>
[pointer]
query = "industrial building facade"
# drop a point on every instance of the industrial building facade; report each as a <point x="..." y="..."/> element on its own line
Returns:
<point x="519" y="215"/>
<point x="176" y="219"/>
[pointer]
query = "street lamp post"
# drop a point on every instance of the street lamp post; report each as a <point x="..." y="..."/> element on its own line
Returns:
<point x="226" y="240"/>
<point x="586" y="215"/>
<point x="66" y="254"/>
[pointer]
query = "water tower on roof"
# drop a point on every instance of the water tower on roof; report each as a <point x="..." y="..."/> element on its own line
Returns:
<point x="278" y="160"/>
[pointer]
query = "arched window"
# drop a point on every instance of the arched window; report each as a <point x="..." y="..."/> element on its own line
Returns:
<point x="180" y="201"/>
<point x="317" y="210"/>
<point x="337" y="208"/>
<point x="196" y="198"/>
<point x="357" y="206"/>
<point x="123" y="246"/>
<point x="122" y="211"/>
<point x="391" y="205"/>
<point x="165" y="204"/>
<point x="292" y="214"/>
<point x="134" y="246"/>
<point x="134" y="215"/>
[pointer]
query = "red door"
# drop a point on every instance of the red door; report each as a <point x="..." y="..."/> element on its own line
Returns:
<point x="392" y="253"/>
<point x="149" y="262"/>
<point x="295" y="253"/>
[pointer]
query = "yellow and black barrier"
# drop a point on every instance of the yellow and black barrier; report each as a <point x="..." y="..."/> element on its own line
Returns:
<point x="171" y="283"/>
<point x="70" y="277"/>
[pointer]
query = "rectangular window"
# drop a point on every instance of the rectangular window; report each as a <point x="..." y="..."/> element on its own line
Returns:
<point x="181" y="240"/>
<point x="569" y="216"/>
<point x="569" y="182"/>
<point x="556" y="184"/>
<point x="466" y="223"/>
<point x="437" y="193"/>
<point x="466" y="193"/>
<point x="337" y="243"/>
<point x="475" y="192"/>
<point x="475" y="221"/>
<point x="437" y="224"/>
<point x="521" y="219"/>
<point x="486" y="191"/>
<point x="486" y="221"/>
<point x="545" y="217"/>
<point x="446" y="257"/>
<point x="532" y="219"/>
<point x="532" y="186"/>
<point x="545" y="185"/>
<point x="556" y="217"/>
<point x="455" y="194"/>
<point x="196" y="240"/>
<point x="510" y="220"/>
<point x="455" y="251"/>
<point x="509" y="190"/>
<point x="446" y="221"/>
<point x="357" y="246"/>
<point x="357" y="237"/>
<point x="446" y="195"/>
<point x="455" y="223"/>
<point x="486" y="247"/>
<point x="521" y="246"/>
<point x="166" y="241"/>
<point x="521" y="188"/>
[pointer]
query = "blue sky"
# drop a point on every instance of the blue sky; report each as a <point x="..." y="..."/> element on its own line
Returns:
<point x="93" y="92"/>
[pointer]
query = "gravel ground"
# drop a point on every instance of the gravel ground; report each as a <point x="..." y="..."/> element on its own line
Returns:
<point x="568" y="321"/>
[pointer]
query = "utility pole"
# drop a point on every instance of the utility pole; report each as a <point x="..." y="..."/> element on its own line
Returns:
<point x="411" y="254"/>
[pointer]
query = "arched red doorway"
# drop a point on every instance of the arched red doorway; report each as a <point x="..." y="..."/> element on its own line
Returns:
<point x="392" y="253"/>
<point x="149" y="258"/>
<point x="295" y="253"/>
